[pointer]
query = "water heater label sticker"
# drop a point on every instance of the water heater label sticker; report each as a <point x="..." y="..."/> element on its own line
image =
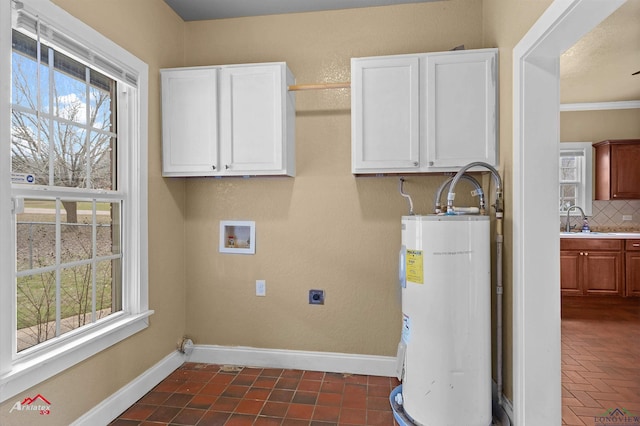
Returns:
<point x="414" y="266"/>
<point x="406" y="328"/>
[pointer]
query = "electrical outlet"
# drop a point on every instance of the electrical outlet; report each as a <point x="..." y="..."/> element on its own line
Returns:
<point x="626" y="217"/>
<point x="261" y="288"/>
<point x="316" y="297"/>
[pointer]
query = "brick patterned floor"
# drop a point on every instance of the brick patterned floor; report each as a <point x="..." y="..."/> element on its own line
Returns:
<point x="600" y="371"/>
<point x="600" y="357"/>
<point x="207" y="395"/>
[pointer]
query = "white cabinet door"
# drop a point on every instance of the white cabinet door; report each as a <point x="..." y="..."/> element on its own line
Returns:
<point x="428" y="112"/>
<point x="460" y="117"/>
<point x="253" y="119"/>
<point x="189" y="122"/>
<point x="385" y="114"/>
<point x="228" y="120"/>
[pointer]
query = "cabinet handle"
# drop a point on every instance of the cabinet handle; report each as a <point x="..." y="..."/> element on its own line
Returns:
<point x="636" y="245"/>
<point x="213" y="167"/>
<point x="415" y="163"/>
<point x="586" y="254"/>
<point x="226" y="166"/>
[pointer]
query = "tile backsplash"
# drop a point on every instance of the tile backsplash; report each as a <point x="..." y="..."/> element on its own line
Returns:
<point x="607" y="216"/>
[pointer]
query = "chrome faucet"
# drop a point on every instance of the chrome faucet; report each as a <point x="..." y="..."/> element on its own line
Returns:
<point x="568" y="225"/>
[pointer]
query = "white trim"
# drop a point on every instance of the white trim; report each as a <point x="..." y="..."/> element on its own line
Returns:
<point x="26" y="370"/>
<point x="598" y="106"/>
<point x="7" y="292"/>
<point x="102" y="49"/>
<point x="110" y="408"/>
<point x="371" y="365"/>
<point x="29" y="372"/>
<point x="536" y="247"/>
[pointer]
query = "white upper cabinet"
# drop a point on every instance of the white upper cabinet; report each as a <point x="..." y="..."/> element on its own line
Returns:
<point x="385" y="107"/>
<point x="190" y="122"/>
<point x="255" y="123"/>
<point x="460" y="116"/>
<point x="251" y="133"/>
<point x="438" y="122"/>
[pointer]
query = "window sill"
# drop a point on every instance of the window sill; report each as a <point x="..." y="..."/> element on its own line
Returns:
<point x="33" y="369"/>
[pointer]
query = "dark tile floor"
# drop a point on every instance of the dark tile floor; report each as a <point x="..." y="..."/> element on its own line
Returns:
<point x="206" y="394"/>
<point x="600" y="370"/>
<point x="600" y="357"/>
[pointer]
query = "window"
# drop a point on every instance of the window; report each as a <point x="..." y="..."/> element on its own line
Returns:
<point x="575" y="177"/>
<point x="77" y="187"/>
<point x="68" y="252"/>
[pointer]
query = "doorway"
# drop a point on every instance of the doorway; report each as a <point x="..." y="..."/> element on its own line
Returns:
<point x="536" y="246"/>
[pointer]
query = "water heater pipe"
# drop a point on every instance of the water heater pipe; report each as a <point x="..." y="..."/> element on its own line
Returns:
<point x="496" y="177"/>
<point x="499" y="245"/>
<point x="499" y="291"/>
<point x="478" y="191"/>
<point x="407" y="196"/>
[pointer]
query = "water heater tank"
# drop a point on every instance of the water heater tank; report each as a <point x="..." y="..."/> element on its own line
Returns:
<point x="446" y="320"/>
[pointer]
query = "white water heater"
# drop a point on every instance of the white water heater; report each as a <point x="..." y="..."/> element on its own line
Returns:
<point x="446" y="313"/>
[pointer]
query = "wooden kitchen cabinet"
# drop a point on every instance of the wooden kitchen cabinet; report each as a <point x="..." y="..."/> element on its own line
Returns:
<point x="617" y="171"/>
<point x="632" y="268"/>
<point x="228" y="120"/>
<point x="422" y="113"/>
<point x="591" y="267"/>
<point x="570" y="272"/>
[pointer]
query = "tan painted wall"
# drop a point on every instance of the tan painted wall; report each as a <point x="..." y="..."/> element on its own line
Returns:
<point x="150" y="30"/>
<point x="594" y="126"/>
<point x="325" y="229"/>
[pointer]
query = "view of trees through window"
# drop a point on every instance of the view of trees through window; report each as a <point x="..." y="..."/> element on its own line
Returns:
<point x="68" y="255"/>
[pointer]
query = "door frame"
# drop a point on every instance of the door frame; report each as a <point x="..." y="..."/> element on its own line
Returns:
<point x="536" y="242"/>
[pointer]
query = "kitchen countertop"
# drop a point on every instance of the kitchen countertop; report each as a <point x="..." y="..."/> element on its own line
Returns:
<point x="610" y="235"/>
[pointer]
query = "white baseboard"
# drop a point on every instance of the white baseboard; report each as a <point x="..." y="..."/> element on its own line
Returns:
<point x="114" y="405"/>
<point x="371" y="365"/>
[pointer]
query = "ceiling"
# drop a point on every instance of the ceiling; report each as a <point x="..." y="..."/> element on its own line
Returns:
<point x="596" y="69"/>
<point x="197" y="10"/>
<point x="599" y="67"/>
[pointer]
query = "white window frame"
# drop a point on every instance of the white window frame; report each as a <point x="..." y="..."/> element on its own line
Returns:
<point x="20" y="372"/>
<point x="585" y="184"/>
